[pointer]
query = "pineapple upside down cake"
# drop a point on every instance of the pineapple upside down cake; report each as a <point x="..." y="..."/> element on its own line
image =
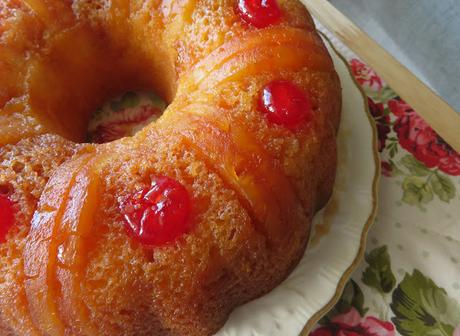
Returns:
<point x="210" y="206"/>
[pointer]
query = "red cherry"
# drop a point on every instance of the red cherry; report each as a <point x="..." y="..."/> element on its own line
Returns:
<point x="285" y="104"/>
<point x="157" y="215"/>
<point x="259" y="13"/>
<point x="6" y="216"/>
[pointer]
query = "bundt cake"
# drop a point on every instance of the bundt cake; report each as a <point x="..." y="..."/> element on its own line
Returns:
<point x="165" y="232"/>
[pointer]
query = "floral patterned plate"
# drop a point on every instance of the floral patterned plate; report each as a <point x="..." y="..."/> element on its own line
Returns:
<point x="338" y="237"/>
<point x="408" y="284"/>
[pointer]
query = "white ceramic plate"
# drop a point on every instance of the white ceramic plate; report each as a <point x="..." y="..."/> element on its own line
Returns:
<point x="338" y="238"/>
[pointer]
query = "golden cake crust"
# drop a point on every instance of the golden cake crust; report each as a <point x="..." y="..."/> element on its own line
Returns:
<point x="68" y="266"/>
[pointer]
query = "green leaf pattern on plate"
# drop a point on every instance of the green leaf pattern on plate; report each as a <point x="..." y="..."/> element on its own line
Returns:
<point x="378" y="273"/>
<point x="422" y="308"/>
<point x="419" y="306"/>
<point x="421" y="184"/>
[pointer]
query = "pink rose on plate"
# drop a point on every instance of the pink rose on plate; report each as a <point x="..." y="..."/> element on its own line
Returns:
<point x="386" y="168"/>
<point x="417" y="137"/>
<point x="352" y="324"/>
<point x="457" y="331"/>
<point x="382" y="122"/>
<point x="125" y="122"/>
<point x="365" y="75"/>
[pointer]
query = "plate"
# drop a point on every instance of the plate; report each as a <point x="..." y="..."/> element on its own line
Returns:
<point x="338" y="236"/>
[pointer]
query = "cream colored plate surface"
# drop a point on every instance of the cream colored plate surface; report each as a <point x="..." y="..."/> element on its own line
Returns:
<point x="338" y="238"/>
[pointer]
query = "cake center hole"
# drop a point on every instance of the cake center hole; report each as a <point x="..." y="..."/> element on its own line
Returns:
<point x="124" y="116"/>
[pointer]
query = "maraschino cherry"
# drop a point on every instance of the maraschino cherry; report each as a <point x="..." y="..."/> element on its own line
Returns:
<point x="284" y="103"/>
<point x="6" y="216"/>
<point x="159" y="214"/>
<point x="259" y="13"/>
